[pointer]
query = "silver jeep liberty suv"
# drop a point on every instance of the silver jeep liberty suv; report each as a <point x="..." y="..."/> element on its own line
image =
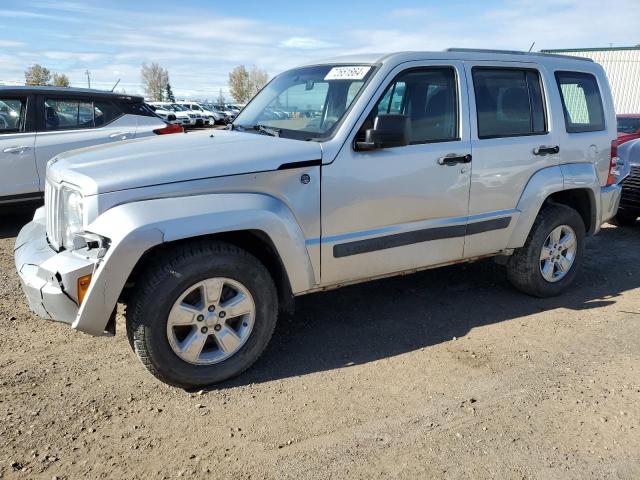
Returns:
<point x="335" y="173"/>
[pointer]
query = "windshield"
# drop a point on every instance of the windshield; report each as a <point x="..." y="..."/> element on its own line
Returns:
<point x="628" y="125"/>
<point x="179" y="108"/>
<point x="305" y="103"/>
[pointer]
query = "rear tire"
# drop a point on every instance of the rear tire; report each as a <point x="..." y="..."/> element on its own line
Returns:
<point x="166" y="285"/>
<point x="540" y="268"/>
<point x="624" y="218"/>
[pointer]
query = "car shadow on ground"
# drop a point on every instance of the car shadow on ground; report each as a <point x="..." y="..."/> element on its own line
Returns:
<point x="390" y="317"/>
<point x="381" y="319"/>
<point x="13" y="219"/>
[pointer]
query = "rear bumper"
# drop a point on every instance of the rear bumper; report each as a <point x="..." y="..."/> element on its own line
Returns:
<point x="48" y="278"/>
<point x="609" y="201"/>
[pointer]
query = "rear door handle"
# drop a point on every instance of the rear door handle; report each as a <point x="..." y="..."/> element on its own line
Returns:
<point x="16" y="150"/>
<point x="544" y="150"/>
<point x="453" y="159"/>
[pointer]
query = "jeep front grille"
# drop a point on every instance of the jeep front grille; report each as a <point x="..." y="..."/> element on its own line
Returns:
<point x="52" y="209"/>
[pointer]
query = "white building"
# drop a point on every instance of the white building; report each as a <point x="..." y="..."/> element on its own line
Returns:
<point x="622" y="65"/>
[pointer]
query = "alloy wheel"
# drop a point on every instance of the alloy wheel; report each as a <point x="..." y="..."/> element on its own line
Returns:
<point x="558" y="253"/>
<point x="210" y="321"/>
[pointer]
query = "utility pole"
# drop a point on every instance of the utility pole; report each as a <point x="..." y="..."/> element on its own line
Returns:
<point x="88" y="74"/>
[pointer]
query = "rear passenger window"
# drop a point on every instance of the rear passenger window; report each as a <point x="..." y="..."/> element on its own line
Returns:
<point x="12" y="115"/>
<point x="581" y="102"/>
<point x="76" y="114"/>
<point x="509" y="102"/>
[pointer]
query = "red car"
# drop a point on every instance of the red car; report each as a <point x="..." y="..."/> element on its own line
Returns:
<point x="628" y="127"/>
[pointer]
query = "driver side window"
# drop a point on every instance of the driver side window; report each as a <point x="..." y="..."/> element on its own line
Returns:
<point x="428" y="97"/>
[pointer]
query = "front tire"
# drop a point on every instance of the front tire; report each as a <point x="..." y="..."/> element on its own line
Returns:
<point x="202" y="314"/>
<point x="551" y="257"/>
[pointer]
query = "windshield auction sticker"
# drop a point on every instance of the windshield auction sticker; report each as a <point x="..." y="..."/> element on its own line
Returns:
<point x="347" y="73"/>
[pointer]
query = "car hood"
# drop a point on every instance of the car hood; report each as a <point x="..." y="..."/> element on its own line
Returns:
<point x="629" y="154"/>
<point x="176" y="158"/>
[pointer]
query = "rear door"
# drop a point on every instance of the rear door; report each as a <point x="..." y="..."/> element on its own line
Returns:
<point x="19" y="177"/>
<point x="512" y="139"/>
<point x="67" y="123"/>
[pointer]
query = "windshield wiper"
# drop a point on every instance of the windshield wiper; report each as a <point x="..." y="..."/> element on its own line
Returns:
<point x="273" y="132"/>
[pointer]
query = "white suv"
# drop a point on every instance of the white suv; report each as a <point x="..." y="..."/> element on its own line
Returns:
<point x="209" y="117"/>
<point x="164" y="109"/>
<point x="37" y="123"/>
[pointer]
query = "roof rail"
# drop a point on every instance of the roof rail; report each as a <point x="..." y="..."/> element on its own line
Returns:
<point x="515" y="52"/>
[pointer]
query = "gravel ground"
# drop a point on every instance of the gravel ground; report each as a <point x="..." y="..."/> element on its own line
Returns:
<point x="448" y="373"/>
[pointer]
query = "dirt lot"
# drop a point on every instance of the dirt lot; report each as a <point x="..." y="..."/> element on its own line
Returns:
<point x="445" y="374"/>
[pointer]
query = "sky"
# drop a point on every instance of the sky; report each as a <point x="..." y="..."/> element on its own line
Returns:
<point x="200" y="41"/>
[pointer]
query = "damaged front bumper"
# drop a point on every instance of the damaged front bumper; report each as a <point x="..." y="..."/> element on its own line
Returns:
<point x="49" y="278"/>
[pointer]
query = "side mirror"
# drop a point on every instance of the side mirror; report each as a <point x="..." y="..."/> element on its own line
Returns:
<point x="388" y="131"/>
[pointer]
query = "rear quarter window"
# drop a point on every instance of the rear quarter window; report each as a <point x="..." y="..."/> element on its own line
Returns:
<point x="581" y="102"/>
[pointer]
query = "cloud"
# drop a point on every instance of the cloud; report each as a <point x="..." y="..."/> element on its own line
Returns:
<point x="306" y="43"/>
<point x="200" y="46"/>
<point x="11" y="44"/>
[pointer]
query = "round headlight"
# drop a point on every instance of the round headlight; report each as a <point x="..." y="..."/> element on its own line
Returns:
<point x="72" y="216"/>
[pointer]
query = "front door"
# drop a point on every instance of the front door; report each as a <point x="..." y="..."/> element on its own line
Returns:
<point x="396" y="209"/>
<point x="19" y="179"/>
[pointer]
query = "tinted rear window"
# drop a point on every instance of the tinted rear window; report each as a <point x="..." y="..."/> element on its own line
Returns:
<point x="509" y="102"/>
<point x="581" y="102"/>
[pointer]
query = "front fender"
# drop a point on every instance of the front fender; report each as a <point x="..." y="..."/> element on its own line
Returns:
<point x="136" y="227"/>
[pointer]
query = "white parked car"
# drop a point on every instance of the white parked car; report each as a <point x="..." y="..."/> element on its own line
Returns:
<point x="194" y="114"/>
<point x="227" y="117"/>
<point x="209" y="117"/>
<point x="37" y="123"/>
<point x="164" y="109"/>
<point x="165" y="115"/>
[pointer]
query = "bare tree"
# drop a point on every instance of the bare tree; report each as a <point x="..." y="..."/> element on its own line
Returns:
<point x="244" y="84"/>
<point x="155" y="80"/>
<point x="239" y="84"/>
<point x="257" y="79"/>
<point x="61" y="80"/>
<point x="37" y="75"/>
<point x="221" y="100"/>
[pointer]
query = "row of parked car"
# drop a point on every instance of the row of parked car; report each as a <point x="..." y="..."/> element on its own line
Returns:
<point x="195" y="114"/>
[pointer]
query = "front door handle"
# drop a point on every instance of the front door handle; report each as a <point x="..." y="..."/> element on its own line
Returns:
<point x="544" y="150"/>
<point x="16" y="150"/>
<point x="453" y="159"/>
<point x="121" y="135"/>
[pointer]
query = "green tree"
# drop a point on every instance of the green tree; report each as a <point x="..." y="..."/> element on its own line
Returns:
<point x="169" y="94"/>
<point x="61" y="80"/>
<point x="37" y="75"/>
